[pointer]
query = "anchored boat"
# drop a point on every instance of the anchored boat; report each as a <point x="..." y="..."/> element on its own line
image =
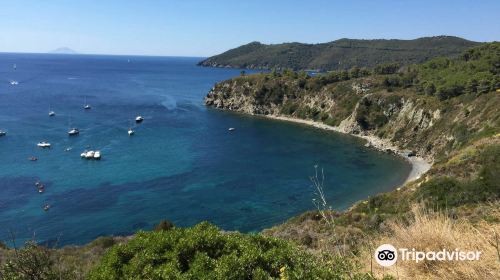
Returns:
<point x="73" y="132"/>
<point x="43" y="144"/>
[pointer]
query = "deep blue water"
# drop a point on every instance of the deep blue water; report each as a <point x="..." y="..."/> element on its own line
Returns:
<point x="182" y="165"/>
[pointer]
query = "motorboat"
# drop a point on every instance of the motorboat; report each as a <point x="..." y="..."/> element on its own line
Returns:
<point x="52" y="113"/>
<point x="3" y="133"/>
<point x="43" y="144"/>
<point x="232" y="129"/>
<point x="131" y="131"/>
<point x="139" y="119"/>
<point x="46" y="207"/>
<point x="91" y="155"/>
<point x="97" y="155"/>
<point x="73" y="131"/>
<point x="14" y="83"/>
<point x="33" y="158"/>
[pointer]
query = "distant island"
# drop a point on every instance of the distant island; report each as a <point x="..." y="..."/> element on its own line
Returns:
<point x="341" y="54"/>
<point x="63" y="50"/>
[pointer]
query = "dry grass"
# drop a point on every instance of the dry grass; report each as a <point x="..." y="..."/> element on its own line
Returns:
<point x="434" y="232"/>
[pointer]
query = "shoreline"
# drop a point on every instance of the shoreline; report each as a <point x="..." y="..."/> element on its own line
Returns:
<point x="419" y="165"/>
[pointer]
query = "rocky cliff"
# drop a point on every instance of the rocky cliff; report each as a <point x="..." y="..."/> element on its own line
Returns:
<point x="363" y="106"/>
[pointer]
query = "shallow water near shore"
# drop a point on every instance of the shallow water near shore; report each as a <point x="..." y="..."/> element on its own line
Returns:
<point x="182" y="164"/>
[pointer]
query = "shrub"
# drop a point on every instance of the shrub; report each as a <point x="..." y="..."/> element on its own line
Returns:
<point x="103" y="242"/>
<point x="204" y="252"/>
<point x="164" y="225"/>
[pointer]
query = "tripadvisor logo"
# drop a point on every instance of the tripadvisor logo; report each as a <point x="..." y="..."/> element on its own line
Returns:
<point x="387" y="255"/>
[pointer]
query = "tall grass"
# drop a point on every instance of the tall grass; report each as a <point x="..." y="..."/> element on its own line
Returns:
<point x="430" y="231"/>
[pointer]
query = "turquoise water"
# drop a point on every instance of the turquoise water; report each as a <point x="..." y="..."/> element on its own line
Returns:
<point x="182" y="164"/>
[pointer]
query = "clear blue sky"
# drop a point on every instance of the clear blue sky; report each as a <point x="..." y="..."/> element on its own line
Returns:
<point x="203" y="28"/>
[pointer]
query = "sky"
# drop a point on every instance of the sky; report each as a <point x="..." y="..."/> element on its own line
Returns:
<point x="205" y="28"/>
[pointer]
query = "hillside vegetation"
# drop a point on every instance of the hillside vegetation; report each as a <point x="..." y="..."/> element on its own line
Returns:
<point x="339" y="54"/>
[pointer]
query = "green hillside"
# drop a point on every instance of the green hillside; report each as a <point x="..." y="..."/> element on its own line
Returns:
<point x="340" y="54"/>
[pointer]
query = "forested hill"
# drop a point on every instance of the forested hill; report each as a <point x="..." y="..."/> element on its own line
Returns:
<point x="339" y="54"/>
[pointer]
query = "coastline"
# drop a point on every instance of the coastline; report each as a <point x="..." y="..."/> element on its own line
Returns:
<point x="419" y="165"/>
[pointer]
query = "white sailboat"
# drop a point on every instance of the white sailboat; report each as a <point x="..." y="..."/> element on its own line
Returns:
<point x="86" y="106"/>
<point x="130" y="130"/>
<point x="51" y="112"/>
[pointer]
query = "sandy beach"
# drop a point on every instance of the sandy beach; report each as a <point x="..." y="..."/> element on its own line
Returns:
<point x="419" y="165"/>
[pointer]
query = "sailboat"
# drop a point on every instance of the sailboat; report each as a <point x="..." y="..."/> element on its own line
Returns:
<point x="51" y="113"/>
<point x="130" y="130"/>
<point x="85" y="105"/>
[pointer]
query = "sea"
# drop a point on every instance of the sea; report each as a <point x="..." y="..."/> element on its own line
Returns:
<point x="182" y="164"/>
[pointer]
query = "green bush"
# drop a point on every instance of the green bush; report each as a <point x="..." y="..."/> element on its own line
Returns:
<point x="204" y="252"/>
<point x="445" y="192"/>
<point x="164" y="225"/>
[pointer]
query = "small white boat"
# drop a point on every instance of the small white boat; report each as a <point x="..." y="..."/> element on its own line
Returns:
<point x="139" y="119"/>
<point x="232" y="129"/>
<point x="86" y="106"/>
<point x="52" y="113"/>
<point x="3" y="133"/>
<point x="97" y="155"/>
<point x="131" y="131"/>
<point x="43" y="144"/>
<point x="14" y="83"/>
<point x="73" y="131"/>
<point x="46" y="207"/>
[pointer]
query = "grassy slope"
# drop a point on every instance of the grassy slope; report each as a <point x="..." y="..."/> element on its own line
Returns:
<point x="340" y="54"/>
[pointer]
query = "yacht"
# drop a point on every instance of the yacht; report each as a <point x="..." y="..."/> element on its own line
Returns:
<point x="131" y="131"/>
<point x="139" y="119"/>
<point x="3" y="133"/>
<point x="73" y="132"/>
<point x="43" y="144"/>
